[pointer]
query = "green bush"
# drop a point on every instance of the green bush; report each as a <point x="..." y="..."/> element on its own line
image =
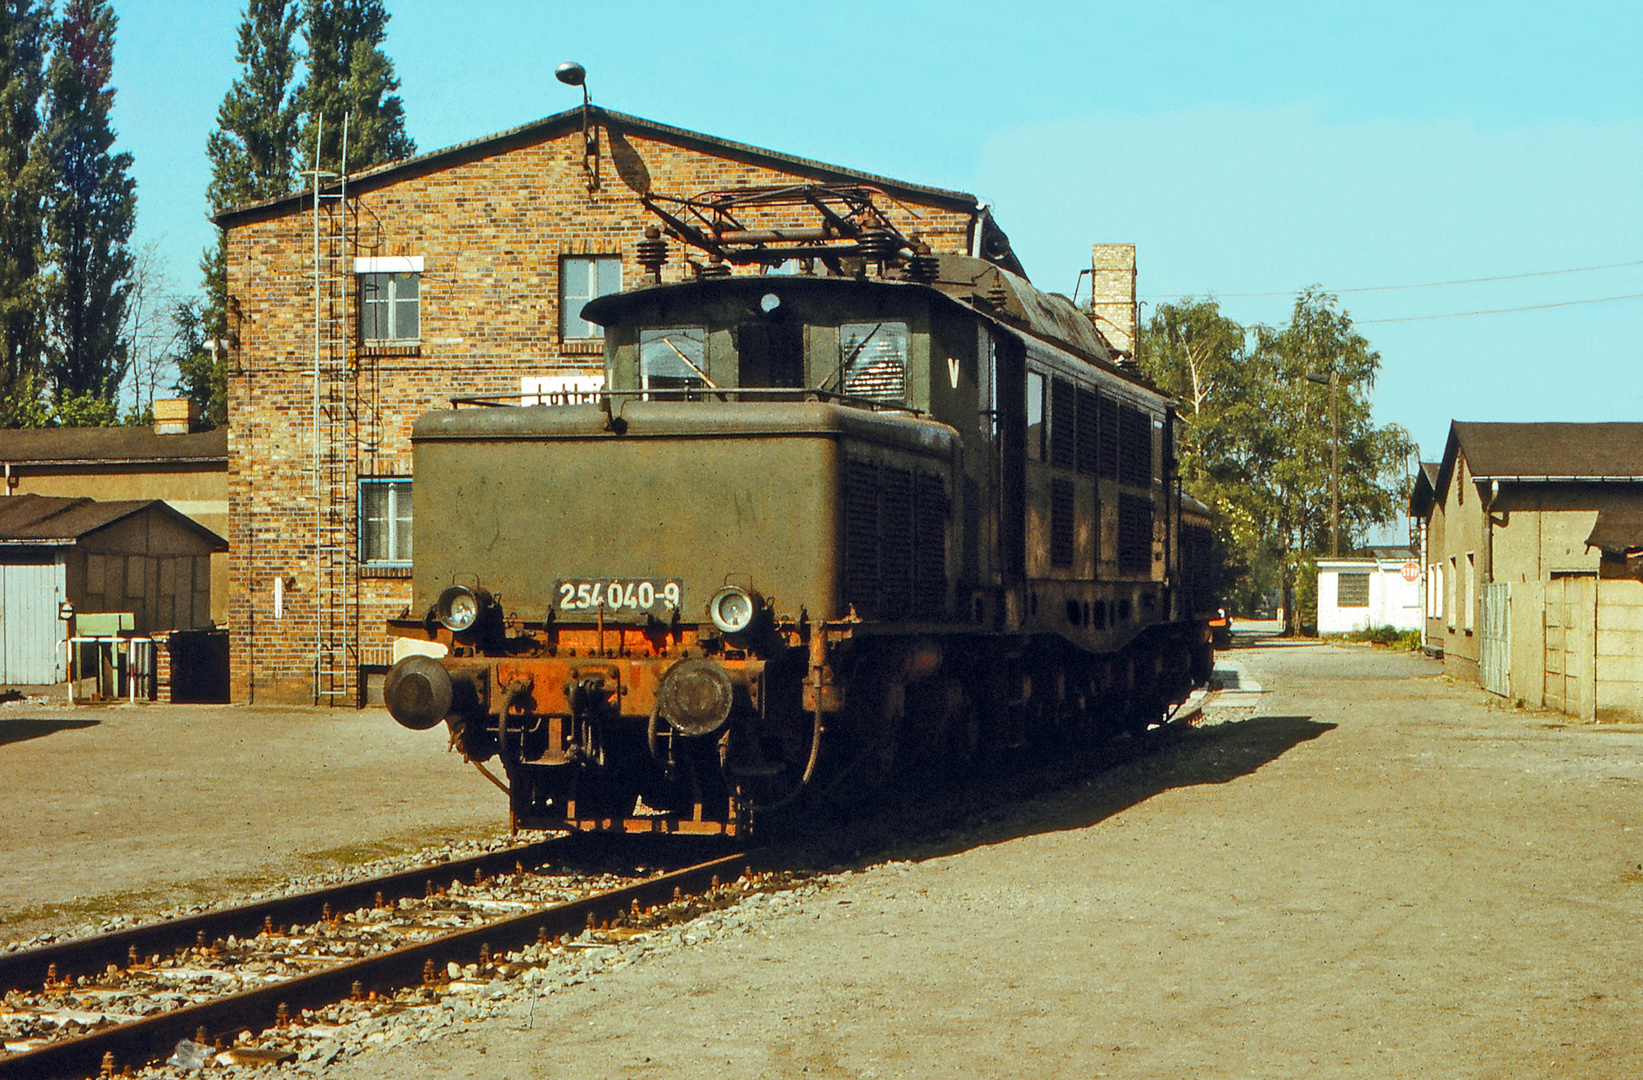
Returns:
<point x="1386" y="635"/>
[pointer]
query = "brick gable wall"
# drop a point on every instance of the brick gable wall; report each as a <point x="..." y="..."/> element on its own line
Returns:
<point x="491" y="233"/>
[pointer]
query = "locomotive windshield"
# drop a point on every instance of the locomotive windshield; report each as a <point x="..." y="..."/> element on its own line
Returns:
<point x="674" y="358"/>
<point x="873" y="357"/>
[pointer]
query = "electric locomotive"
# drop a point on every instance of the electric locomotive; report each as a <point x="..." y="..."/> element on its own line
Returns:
<point x="895" y="513"/>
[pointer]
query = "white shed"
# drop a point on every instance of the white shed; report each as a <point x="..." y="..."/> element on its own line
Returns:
<point x="1380" y="587"/>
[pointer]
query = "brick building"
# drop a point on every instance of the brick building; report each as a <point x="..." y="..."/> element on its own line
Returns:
<point x="462" y="271"/>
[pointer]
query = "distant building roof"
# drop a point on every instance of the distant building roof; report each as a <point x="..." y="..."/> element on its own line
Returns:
<point x="110" y="445"/>
<point x="1424" y="493"/>
<point x="1605" y="452"/>
<point x="44" y="521"/>
<point x="1618" y="531"/>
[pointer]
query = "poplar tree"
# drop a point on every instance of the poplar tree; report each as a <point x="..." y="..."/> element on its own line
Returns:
<point x="22" y="184"/>
<point x="252" y="154"/>
<point x="349" y="75"/>
<point x="89" y="211"/>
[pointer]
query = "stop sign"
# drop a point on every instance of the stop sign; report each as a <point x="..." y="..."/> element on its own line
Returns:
<point x="1411" y="571"/>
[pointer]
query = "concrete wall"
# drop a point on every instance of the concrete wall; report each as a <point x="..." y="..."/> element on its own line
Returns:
<point x="491" y="233"/>
<point x="1619" y="649"/>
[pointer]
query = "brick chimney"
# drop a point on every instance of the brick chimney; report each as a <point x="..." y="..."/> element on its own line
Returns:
<point x="174" y="416"/>
<point x="1112" y="293"/>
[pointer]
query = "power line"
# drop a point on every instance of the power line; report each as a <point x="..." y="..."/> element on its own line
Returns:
<point x="1423" y="285"/>
<point x="1503" y="311"/>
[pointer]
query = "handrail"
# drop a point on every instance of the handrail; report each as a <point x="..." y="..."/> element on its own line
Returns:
<point x="720" y="394"/>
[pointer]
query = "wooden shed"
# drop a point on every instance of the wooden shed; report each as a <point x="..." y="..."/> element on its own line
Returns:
<point x="138" y="556"/>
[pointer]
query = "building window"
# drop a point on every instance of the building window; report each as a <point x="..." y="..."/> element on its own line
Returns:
<point x="1449" y="592"/>
<point x="1466" y="614"/>
<point x="385" y="520"/>
<point x="583" y="278"/>
<point x="1434" y="591"/>
<point x="1351" y="590"/>
<point x="390" y="307"/>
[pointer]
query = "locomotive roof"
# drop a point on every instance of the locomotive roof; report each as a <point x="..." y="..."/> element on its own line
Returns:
<point x="974" y="284"/>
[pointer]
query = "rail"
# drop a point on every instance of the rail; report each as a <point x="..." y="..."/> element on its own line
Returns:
<point x="153" y="1037"/>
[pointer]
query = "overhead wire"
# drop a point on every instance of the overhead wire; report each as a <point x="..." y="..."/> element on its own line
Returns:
<point x="1421" y="285"/>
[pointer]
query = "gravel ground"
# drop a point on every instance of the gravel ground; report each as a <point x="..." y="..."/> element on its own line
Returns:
<point x="123" y="811"/>
<point x="1370" y="873"/>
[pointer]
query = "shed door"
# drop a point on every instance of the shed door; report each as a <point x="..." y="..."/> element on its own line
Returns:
<point x="31" y="635"/>
<point x="1496" y="647"/>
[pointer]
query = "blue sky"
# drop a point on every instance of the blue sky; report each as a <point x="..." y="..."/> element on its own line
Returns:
<point x="1248" y="150"/>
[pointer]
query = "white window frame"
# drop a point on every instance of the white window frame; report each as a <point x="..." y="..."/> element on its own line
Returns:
<point x="399" y="526"/>
<point x="579" y="282"/>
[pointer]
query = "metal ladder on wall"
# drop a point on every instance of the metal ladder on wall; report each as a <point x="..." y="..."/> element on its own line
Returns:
<point x="334" y="451"/>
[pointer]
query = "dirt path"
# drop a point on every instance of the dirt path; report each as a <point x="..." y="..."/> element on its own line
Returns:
<point x="1377" y="875"/>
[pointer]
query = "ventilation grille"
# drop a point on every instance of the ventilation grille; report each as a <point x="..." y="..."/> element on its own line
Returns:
<point x="1089" y="431"/>
<point x="895" y="542"/>
<point x="1134" y="534"/>
<point x="1061" y="523"/>
<point x="1108" y="464"/>
<point x="1134" y="447"/>
<point x="1063" y="424"/>
<point x="1197" y="568"/>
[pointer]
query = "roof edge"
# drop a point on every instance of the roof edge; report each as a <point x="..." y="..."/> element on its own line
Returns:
<point x="571" y="120"/>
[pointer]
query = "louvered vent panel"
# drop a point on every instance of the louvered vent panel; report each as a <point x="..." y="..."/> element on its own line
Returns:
<point x="1063" y="424"/>
<point x="1109" y="438"/>
<point x="861" y="537"/>
<point x="1089" y="431"/>
<point x="1134" y="534"/>
<point x="1134" y="447"/>
<point x="1061" y="523"/>
<point x="895" y="543"/>
<point x="930" y="571"/>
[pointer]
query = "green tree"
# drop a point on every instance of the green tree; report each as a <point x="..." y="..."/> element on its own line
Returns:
<point x="253" y="155"/>
<point x="1256" y="437"/>
<point x="253" y="150"/>
<point x="89" y="211"/>
<point x="350" y="76"/>
<point x="201" y="376"/>
<point x="22" y="184"/>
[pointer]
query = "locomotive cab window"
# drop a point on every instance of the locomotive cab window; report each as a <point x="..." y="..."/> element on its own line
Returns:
<point x="673" y="358"/>
<point x="873" y="360"/>
<point x="1035" y="416"/>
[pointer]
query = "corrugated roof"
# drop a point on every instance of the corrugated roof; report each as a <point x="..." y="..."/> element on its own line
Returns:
<point x="107" y="445"/>
<point x="45" y="521"/>
<point x="1497" y="451"/>
<point x="571" y="120"/>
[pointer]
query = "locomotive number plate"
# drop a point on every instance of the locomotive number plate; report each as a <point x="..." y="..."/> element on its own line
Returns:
<point x="620" y="596"/>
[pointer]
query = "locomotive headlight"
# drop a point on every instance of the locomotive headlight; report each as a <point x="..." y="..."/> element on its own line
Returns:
<point x="734" y="608"/>
<point x="460" y="607"/>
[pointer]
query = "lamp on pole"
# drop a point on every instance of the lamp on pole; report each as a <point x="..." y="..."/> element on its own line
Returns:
<point x="1332" y="380"/>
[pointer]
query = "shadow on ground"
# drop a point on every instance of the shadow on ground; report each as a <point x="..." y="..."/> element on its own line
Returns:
<point x="23" y="729"/>
<point x="1011" y="807"/>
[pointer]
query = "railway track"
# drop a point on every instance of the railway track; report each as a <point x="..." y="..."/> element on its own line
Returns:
<point x="281" y="995"/>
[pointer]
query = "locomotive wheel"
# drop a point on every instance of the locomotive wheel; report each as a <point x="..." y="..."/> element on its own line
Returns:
<point x="873" y="716"/>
